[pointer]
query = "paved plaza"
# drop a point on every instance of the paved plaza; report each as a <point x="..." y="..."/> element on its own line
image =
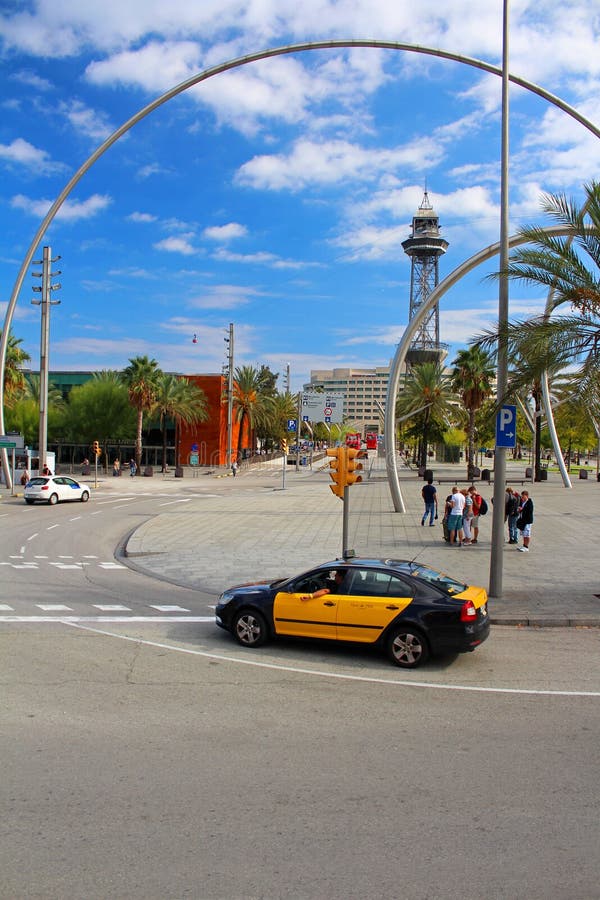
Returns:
<point x="256" y="529"/>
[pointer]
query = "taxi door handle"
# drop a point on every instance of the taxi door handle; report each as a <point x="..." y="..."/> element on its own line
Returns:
<point x="392" y="607"/>
<point x="329" y="603"/>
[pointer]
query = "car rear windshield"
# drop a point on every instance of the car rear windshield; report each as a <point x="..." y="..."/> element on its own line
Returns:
<point x="439" y="579"/>
<point x="38" y="481"/>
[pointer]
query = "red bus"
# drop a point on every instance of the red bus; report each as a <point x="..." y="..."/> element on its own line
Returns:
<point x="371" y="440"/>
<point x="354" y="439"/>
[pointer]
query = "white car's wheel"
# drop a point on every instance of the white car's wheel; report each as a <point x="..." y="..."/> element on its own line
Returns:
<point x="53" y="499"/>
<point x="85" y="497"/>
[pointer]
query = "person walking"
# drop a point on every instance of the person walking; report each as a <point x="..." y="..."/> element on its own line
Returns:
<point x="429" y="495"/>
<point x="234" y="467"/>
<point x="455" y="519"/>
<point x="132" y="467"/>
<point x="525" y="520"/>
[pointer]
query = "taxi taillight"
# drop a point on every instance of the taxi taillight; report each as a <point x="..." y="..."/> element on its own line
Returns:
<point x="468" y="611"/>
<point x="45" y="487"/>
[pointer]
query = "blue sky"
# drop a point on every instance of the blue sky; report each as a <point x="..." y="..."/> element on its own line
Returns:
<point x="275" y="196"/>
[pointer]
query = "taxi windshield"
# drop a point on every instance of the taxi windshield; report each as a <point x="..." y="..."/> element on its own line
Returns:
<point x="445" y="582"/>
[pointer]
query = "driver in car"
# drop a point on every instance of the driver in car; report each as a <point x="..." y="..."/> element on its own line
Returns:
<point x="334" y="586"/>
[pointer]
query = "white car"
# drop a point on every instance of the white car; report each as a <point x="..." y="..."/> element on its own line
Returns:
<point x="54" y="488"/>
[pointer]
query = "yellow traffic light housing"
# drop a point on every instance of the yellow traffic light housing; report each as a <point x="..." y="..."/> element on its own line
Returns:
<point x="353" y="465"/>
<point x="337" y="470"/>
<point x="96" y="448"/>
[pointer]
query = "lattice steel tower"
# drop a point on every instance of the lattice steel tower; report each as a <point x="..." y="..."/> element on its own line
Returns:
<point x="425" y="246"/>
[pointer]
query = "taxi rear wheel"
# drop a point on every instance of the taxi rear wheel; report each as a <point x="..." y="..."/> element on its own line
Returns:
<point x="53" y="499"/>
<point x="250" y="628"/>
<point x="407" y="647"/>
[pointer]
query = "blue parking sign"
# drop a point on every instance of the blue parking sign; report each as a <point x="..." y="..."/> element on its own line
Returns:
<point x="506" y="427"/>
<point x="291" y="425"/>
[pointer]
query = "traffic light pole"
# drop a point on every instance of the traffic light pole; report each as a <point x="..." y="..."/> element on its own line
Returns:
<point x="345" y="519"/>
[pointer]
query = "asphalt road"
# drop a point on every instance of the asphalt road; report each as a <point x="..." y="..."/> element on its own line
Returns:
<point x="158" y="759"/>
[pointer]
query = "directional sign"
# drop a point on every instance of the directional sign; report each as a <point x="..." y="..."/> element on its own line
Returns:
<point x="7" y="445"/>
<point x="322" y="407"/>
<point x="12" y="439"/>
<point x="506" y="427"/>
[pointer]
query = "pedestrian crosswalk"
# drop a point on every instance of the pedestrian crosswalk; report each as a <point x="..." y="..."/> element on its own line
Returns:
<point x="62" y="563"/>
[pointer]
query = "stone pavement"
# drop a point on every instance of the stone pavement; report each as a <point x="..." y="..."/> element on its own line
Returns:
<point x="213" y="532"/>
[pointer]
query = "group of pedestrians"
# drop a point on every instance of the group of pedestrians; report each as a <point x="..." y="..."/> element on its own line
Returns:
<point x="463" y="508"/>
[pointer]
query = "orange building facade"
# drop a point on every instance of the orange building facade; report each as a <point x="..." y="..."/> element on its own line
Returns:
<point x="205" y="443"/>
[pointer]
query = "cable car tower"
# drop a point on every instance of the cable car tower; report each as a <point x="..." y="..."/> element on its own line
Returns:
<point x="425" y="246"/>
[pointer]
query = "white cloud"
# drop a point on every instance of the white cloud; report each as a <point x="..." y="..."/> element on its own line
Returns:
<point x="70" y="211"/>
<point x="31" y="79"/>
<point x="155" y="67"/>
<point x="262" y="258"/>
<point x="223" y="296"/>
<point x="141" y="217"/>
<point x="225" y="232"/>
<point x="86" y="121"/>
<point x="25" y="154"/>
<point x="329" y="162"/>
<point x="180" y="244"/>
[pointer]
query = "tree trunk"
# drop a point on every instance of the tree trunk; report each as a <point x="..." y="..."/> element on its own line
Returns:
<point x="538" y="436"/>
<point x="138" y="440"/>
<point x="470" y="444"/>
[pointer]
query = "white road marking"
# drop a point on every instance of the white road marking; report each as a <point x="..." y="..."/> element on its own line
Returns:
<point x="22" y="550"/>
<point x="33" y="537"/>
<point x="54" y="607"/>
<point x="66" y="565"/>
<point x="319" y="674"/>
<point x="169" y="608"/>
<point x="114" y="608"/>
<point x="168" y="503"/>
<point x="6" y="608"/>
<point x="25" y="565"/>
<point x="74" y="620"/>
<point x="64" y="557"/>
<point x="16" y="557"/>
<point x="40" y="557"/>
<point x="111" y="565"/>
<point x="50" y="527"/>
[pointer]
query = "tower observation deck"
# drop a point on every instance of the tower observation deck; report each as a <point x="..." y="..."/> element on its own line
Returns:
<point x="425" y="246"/>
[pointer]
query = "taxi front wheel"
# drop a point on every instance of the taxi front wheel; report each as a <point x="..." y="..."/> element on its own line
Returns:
<point x="407" y="647"/>
<point x="250" y="628"/>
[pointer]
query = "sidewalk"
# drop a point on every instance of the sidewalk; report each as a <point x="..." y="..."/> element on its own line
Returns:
<point x="215" y="531"/>
<point x="256" y="530"/>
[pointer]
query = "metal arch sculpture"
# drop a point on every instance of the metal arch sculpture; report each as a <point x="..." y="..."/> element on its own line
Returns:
<point x="400" y="356"/>
<point x="217" y="70"/>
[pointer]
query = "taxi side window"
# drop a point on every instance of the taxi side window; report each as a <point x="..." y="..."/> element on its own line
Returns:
<point x="373" y="583"/>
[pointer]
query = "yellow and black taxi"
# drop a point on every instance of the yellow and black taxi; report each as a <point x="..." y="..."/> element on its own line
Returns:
<point x="407" y="608"/>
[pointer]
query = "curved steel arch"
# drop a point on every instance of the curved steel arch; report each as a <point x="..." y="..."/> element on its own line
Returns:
<point x="400" y="356"/>
<point x="216" y="70"/>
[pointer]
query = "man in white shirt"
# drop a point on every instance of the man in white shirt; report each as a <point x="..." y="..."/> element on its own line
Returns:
<point x="456" y="516"/>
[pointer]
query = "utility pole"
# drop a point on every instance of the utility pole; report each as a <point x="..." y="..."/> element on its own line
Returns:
<point x="46" y="289"/>
<point x="229" y="342"/>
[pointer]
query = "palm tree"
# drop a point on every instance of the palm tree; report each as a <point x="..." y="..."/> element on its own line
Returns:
<point x="426" y="398"/>
<point x="279" y="409"/>
<point x="141" y="379"/>
<point x="472" y="379"/>
<point x="178" y="399"/>
<point x="569" y="267"/>
<point x="14" y="377"/>
<point x="250" y="390"/>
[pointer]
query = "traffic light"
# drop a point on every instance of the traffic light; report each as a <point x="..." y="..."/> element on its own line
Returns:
<point x="284" y="446"/>
<point x="338" y="470"/>
<point x="96" y="448"/>
<point x="352" y="464"/>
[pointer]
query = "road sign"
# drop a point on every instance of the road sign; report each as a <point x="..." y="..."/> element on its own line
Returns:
<point x="8" y="445"/>
<point x="506" y="427"/>
<point x="291" y="425"/>
<point x="321" y="407"/>
<point x="12" y="440"/>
